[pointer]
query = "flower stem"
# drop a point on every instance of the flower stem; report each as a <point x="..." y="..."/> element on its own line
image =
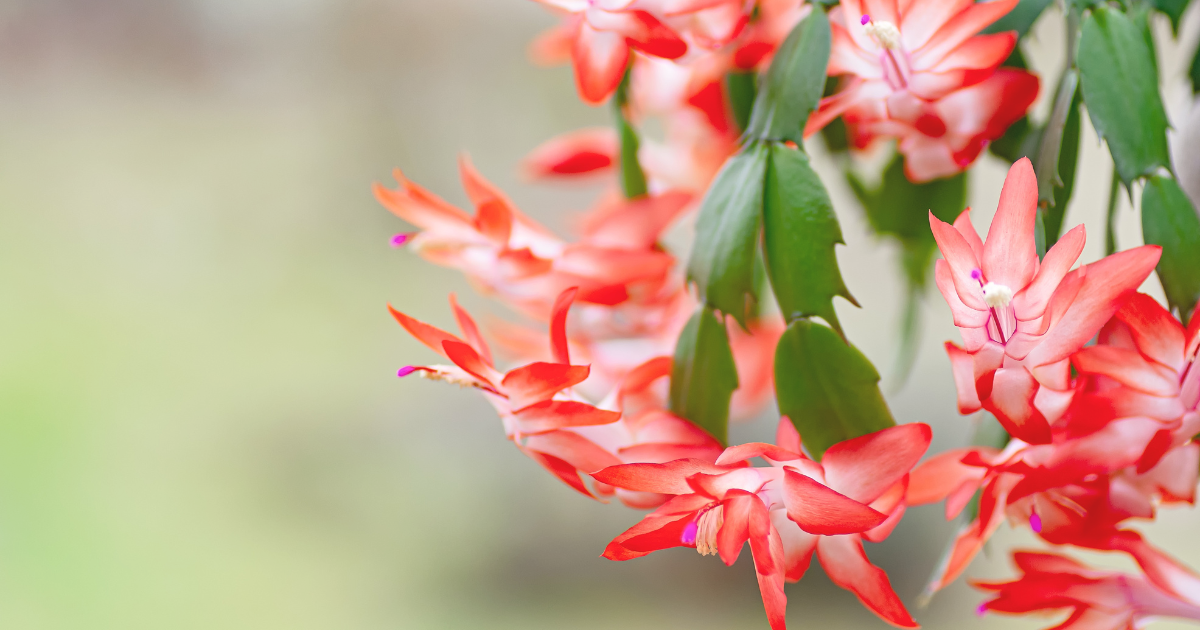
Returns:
<point x="1110" y="233"/>
<point x="633" y="178"/>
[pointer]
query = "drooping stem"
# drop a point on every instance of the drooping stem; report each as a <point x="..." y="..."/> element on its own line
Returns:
<point x="1050" y="147"/>
<point x="742" y="88"/>
<point x="910" y="332"/>
<point x="633" y="178"/>
<point x="1110" y="232"/>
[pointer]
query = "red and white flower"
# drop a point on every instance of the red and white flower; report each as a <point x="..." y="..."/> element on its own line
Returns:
<point x="788" y="511"/>
<point x="1052" y="583"/>
<point x="1022" y="318"/>
<point x="919" y="72"/>
<point x="599" y="35"/>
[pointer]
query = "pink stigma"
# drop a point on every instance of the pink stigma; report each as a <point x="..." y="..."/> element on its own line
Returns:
<point x="405" y="371"/>
<point x="865" y="19"/>
<point x="982" y="610"/>
<point x="1035" y="523"/>
<point x="976" y="275"/>
<point x="400" y="239"/>
<point x="689" y="534"/>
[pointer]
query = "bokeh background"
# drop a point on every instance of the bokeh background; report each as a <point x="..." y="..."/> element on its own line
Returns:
<point x="200" y="426"/>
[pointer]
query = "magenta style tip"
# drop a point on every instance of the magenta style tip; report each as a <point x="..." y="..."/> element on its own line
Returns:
<point x="400" y="239"/>
<point x="1035" y="523"/>
<point x="689" y="534"/>
<point x="405" y="371"/>
<point x="865" y="19"/>
<point x="982" y="610"/>
<point x="976" y="274"/>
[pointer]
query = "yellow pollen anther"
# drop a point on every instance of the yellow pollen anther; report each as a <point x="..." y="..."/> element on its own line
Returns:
<point x="885" y="33"/>
<point x="706" y="530"/>
<point x="997" y="295"/>
<point x="447" y="374"/>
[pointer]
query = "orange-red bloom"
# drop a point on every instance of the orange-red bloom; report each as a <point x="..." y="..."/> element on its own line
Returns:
<point x="549" y="421"/>
<point x="787" y="511"/>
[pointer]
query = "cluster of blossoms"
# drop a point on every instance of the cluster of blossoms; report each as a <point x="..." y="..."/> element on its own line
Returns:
<point x="1100" y="433"/>
<point x="917" y="72"/>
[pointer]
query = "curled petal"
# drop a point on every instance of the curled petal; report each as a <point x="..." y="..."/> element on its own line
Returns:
<point x="583" y="152"/>
<point x="540" y="381"/>
<point x="766" y="546"/>
<point x="1107" y="283"/>
<point x="465" y="357"/>
<point x="1009" y="253"/>
<point x="944" y="473"/>
<point x="963" y="365"/>
<point x="661" y="529"/>
<point x="574" y="449"/>
<point x="961" y="261"/>
<point x="1155" y="332"/>
<point x="964" y="316"/>
<point x="964" y="227"/>
<point x="558" y="326"/>
<point x="848" y="567"/>
<point x="1030" y="303"/>
<point x="735" y="529"/>
<point x="431" y="336"/>
<point x="959" y="29"/>
<point x="820" y="510"/>
<point x="1129" y="368"/>
<point x="567" y="473"/>
<point x="1011" y="401"/>
<point x="719" y="485"/>
<point x="865" y="467"/>
<point x="921" y="20"/>
<point x="668" y="478"/>
<point x="787" y="437"/>
<point x="471" y="331"/>
<point x="550" y="415"/>
<point x="978" y="55"/>
<point x="423" y="208"/>
<point x="798" y="545"/>
<point x="640" y="30"/>
<point x="1164" y="571"/>
<point x="742" y="452"/>
<point x="600" y="59"/>
<point x="552" y="47"/>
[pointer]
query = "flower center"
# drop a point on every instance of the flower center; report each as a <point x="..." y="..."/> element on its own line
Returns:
<point x="1002" y="320"/>
<point x="997" y="295"/>
<point x="703" y="530"/>
<point x="883" y="32"/>
<point x="895" y="63"/>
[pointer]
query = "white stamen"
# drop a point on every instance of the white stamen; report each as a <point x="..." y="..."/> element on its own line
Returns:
<point x="885" y="33"/>
<point x="997" y="295"/>
<point x="706" y="530"/>
<point x="447" y="374"/>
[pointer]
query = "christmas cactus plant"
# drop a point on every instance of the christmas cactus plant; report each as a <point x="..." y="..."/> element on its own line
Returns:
<point x="633" y="359"/>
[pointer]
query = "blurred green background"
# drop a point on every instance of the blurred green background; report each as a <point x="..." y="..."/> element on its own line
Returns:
<point x="200" y="426"/>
